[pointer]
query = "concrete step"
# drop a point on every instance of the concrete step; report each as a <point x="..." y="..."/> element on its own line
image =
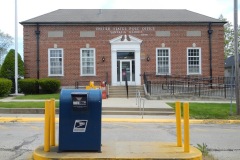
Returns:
<point x="120" y="91"/>
<point x="121" y="96"/>
<point x="125" y="87"/>
<point x="105" y="111"/>
<point x="135" y="113"/>
<point x="136" y="109"/>
<point x="124" y="91"/>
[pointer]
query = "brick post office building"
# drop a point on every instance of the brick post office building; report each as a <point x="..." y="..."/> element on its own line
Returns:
<point x="91" y="44"/>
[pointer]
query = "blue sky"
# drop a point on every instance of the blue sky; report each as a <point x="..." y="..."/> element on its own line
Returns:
<point x="28" y="9"/>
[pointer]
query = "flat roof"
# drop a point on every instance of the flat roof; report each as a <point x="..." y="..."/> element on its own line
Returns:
<point x="120" y="16"/>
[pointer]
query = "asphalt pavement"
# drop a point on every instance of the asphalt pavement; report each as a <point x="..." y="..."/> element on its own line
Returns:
<point x="131" y="102"/>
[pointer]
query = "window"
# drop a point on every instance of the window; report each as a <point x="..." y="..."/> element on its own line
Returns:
<point x="88" y="62"/>
<point x="55" y="62"/>
<point x="163" y="61"/>
<point x="194" y="61"/>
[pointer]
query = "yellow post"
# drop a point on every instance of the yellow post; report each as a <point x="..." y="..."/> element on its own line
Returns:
<point x="186" y="128"/>
<point x="52" y="123"/>
<point x="47" y="127"/>
<point x="178" y="123"/>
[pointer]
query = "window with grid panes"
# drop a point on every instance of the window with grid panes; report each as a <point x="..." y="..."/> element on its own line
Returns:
<point x="88" y="62"/>
<point x="55" y="62"/>
<point x="194" y="60"/>
<point x="163" y="61"/>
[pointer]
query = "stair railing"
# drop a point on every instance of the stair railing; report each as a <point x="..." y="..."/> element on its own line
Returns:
<point x="140" y="102"/>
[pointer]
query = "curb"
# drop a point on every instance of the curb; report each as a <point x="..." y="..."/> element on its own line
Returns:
<point x="130" y="120"/>
<point x="123" y="151"/>
<point x="23" y="111"/>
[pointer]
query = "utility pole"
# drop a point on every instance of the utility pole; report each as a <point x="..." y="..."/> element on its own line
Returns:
<point x="16" y="49"/>
<point x="236" y="55"/>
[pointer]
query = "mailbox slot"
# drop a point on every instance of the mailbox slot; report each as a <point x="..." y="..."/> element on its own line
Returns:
<point x="79" y="101"/>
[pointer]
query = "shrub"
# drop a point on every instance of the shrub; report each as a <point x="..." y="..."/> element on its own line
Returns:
<point x="8" y="68"/>
<point x="49" y="85"/>
<point x="5" y="86"/>
<point x="28" y="86"/>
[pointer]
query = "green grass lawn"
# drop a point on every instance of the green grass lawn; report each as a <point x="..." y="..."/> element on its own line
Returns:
<point x="24" y="104"/>
<point x="30" y="104"/>
<point x="210" y="110"/>
<point x="39" y="96"/>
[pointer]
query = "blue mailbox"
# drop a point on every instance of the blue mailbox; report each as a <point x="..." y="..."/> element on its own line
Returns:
<point x="80" y="114"/>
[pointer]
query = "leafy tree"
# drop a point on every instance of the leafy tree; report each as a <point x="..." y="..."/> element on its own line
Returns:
<point x="8" y="67"/>
<point x="5" y="42"/>
<point x="229" y="37"/>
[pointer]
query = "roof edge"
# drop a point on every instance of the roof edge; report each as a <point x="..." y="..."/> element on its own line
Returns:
<point x="109" y="23"/>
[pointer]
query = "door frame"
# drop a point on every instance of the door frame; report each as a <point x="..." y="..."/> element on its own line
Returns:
<point x="117" y="44"/>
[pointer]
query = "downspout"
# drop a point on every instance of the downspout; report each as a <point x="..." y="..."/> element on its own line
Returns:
<point x="210" y="31"/>
<point x="37" y="36"/>
<point x="37" y="32"/>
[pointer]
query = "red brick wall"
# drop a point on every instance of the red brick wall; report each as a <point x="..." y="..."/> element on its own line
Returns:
<point x="71" y="42"/>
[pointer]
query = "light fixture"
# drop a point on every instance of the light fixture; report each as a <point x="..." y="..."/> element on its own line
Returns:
<point x="87" y="45"/>
<point x="103" y="58"/>
<point x="194" y="45"/>
<point x="148" y="58"/>
<point x="163" y="45"/>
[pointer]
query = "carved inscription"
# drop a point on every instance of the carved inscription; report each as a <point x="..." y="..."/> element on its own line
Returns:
<point x="127" y="30"/>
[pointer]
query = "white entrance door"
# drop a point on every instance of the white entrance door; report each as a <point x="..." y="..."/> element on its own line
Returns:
<point x="125" y="70"/>
<point x="132" y="65"/>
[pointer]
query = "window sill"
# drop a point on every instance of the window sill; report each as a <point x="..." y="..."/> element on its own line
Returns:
<point x="88" y="75"/>
<point x="194" y="74"/>
<point x="163" y="74"/>
<point x="56" y="75"/>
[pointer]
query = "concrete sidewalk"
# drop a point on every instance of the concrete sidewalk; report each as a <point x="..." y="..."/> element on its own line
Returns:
<point x="115" y="102"/>
<point x="132" y="102"/>
<point x="122" y="101"/>
<point x="108" y="106"/>
<point x="128" y="102"/>
<point x="110" y="102"/>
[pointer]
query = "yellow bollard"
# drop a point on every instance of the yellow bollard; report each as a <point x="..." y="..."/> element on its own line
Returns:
<point x="186" y="128"/>
<point x="52" y="123"/>
<point x="178" y="123"/>
<point x="47" y="127"/>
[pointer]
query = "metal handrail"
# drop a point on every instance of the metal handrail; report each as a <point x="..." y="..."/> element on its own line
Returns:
<point x="140" y="102"/>
<point x="142" y="99"/>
